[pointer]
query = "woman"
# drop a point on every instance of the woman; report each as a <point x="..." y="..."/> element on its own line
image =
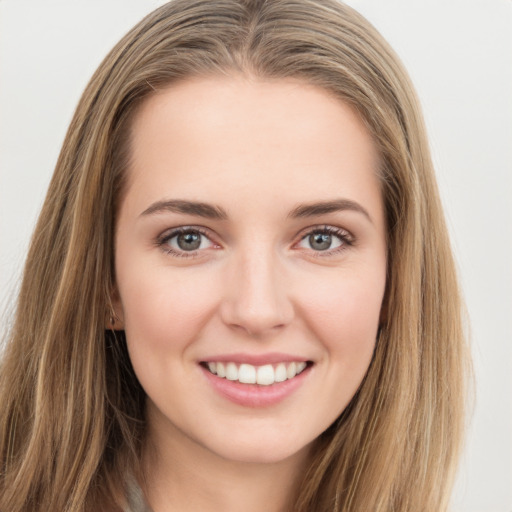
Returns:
<point x="240" y="291"/>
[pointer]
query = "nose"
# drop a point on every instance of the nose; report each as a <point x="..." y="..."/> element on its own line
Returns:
<point x="256" y="299"/>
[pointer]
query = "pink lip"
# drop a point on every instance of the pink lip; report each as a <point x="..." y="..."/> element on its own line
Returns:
<point x="255" y="359"/>
<point x="254" y="395"/>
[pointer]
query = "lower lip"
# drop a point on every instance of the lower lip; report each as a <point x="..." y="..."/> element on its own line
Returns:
<point x="255" y="395"/>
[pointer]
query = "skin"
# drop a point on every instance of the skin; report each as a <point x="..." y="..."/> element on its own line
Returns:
<point x="257" y="284"/>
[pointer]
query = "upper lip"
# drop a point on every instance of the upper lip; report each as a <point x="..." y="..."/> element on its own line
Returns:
<point x="255" y="359"/>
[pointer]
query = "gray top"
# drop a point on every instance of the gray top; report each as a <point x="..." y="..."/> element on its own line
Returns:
<point x="135" y="501"/>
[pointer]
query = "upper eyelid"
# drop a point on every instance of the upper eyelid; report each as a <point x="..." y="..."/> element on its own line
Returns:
<point x="328" y="228"/>
<point x="207" y="231"/>
<point x="172" y="232"/>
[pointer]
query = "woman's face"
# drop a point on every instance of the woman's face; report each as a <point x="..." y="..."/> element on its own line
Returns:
<point x="250" y="263"/>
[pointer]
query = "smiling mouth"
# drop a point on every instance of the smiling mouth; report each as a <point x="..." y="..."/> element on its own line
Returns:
<point x="265" y="375"/>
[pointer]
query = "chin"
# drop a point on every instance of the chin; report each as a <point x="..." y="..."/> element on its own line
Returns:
<point x="260" y="450"/>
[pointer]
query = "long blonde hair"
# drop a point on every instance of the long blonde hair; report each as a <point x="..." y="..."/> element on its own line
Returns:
<point x="72" y="411"/>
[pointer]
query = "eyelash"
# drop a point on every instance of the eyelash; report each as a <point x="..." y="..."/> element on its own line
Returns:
<point x="344" y="236"/>
<point x="347" y="240"/>
<point x="163" y="241"/>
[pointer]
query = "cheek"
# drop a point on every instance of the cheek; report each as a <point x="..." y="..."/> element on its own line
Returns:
<point x="164" y="308"/>
<point x="344" y="313"/>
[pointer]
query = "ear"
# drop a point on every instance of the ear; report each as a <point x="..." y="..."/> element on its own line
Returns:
<point x="115" y="318"/>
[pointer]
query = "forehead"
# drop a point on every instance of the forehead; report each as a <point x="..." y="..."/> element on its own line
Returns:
<point x="210" y="136"/>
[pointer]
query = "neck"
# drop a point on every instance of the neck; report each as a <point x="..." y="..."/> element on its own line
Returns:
<point x="183" y="475"/>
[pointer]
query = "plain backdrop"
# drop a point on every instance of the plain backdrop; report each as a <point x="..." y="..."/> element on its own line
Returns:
<point x="459" y="54"/>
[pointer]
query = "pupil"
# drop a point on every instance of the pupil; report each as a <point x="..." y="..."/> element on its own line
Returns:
<point x="189" y="241"/>
<point x="320" y="241"/>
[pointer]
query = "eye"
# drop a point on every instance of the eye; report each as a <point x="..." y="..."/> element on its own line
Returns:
<point x="181" y="241"/>
<point x="326" y="239"/>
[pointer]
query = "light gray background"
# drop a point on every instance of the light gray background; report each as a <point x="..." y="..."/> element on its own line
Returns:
<point x="458" y="53"/>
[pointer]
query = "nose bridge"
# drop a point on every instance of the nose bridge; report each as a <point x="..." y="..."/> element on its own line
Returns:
<point x="256" y="298"/>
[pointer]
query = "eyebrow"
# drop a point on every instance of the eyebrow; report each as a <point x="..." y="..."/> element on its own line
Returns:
<point x="325" y="207"/>
<point x="211" y="211"/>
<point x="208" y="211"/>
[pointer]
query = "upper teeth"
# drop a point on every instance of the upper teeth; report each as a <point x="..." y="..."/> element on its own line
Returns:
<point x="264" y="375"/>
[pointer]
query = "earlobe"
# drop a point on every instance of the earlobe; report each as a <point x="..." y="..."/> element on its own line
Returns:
<point x="114" y="322"/>
<point x="114" y="318"/>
